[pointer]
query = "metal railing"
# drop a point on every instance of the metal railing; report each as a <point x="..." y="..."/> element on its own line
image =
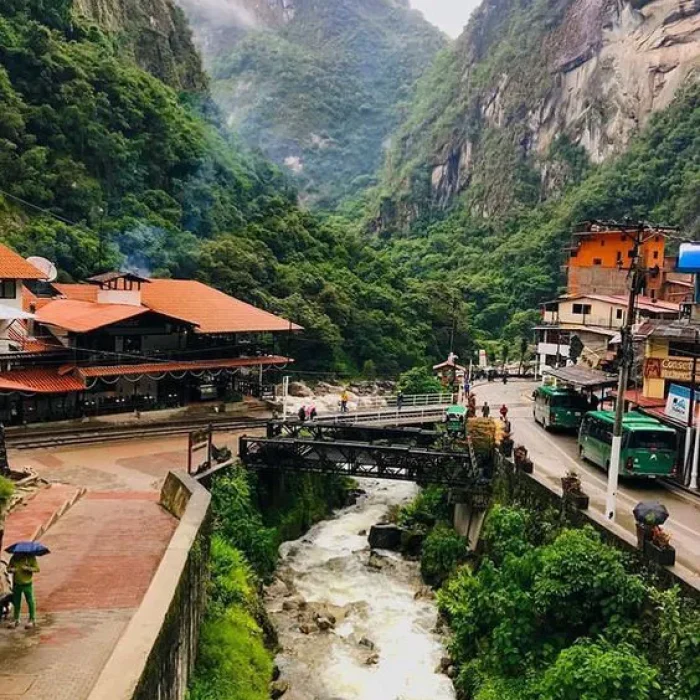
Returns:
<point x="387" y="416"/>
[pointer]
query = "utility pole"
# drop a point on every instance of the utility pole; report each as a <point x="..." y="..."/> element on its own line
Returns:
<point x="625" y="363"/>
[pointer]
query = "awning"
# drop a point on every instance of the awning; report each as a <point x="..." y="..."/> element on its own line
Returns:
<point x="39" y="380"/>
<point x="581" y="377"/>
<point x="193" y="366"/>
<point x="636" y="397"/>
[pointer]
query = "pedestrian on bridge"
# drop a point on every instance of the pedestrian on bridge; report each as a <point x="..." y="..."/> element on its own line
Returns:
<point x="344" y="398"/>
<point x="399" y="400"/>
<point x="486" y="410"/>
<point x="504" y="412"/>
<point x="302" y="414"/>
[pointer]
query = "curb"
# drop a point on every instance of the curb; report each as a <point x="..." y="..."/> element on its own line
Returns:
<point x="59" y="513"/>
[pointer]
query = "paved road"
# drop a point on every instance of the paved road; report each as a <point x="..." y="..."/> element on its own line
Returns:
<point x="555" y="453"/>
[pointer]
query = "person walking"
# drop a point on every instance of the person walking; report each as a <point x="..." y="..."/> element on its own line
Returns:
<point x="486" y="410"/>
<point x="302" y="414"/>
<point x="344" y="398"/>
<point x="23" y="567"/>
<point x="504" y="412"/>
<point x="313" y="413"/>
<point x="399" y="400"/>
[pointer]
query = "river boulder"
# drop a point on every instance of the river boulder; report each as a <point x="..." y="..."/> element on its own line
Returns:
<point x="300" y="390"/>
<point x="385" y="536"/>
<point x="278" y="689"/>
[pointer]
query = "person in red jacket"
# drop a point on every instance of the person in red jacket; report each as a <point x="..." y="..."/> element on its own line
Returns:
<point x="504" y="412"/>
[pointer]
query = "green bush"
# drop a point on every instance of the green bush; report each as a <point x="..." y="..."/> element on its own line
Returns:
<point x="443" y="550"/>
<point x="232" y="661"/>
<point x="238" y="521"/>
<point x="426" y="509"/>
<point x="6" y="490"/>
<point x="419" y="380"/>
<point x="528" y="602"/>
<point x="598" y="671"/>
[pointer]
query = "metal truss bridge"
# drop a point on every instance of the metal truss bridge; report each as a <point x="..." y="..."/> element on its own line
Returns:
<point x="328" y="455"/>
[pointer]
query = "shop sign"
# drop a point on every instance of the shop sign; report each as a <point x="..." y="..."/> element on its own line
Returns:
<point x="675" y="368"/>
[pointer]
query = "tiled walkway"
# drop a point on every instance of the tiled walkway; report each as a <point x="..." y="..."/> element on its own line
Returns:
<point x="104" y="552"/>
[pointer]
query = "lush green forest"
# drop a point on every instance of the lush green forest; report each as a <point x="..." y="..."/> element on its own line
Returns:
<point x="503" y="267"/>
<point x="323" y="91"/>
<point x="549" y="612"/>
<point x="142" y="176"/>
<point x="129" y="172"/>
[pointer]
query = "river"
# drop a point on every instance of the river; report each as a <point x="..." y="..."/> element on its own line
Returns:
<point x="381" y="644"/>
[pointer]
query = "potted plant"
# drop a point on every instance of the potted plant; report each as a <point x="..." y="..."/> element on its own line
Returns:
<point x="647" y="516"/>
<point x="573" y="491"/>
<point x="658" y="547"/>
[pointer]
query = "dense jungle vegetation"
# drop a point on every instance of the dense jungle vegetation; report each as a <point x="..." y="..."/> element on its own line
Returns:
<point x="237" y="641"/>
<point x="551" y="613"/>
<point x="154" y="181"/>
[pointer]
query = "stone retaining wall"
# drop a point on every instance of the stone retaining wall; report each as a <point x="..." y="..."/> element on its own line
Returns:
<point x="533" y="492"/>
<point x="155" y="656"/>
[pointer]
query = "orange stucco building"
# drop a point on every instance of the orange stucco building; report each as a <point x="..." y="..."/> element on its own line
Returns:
<point x="599" y="258"/>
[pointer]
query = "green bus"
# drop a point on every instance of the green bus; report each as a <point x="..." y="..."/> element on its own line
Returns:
<point x="649" y="448"/>
<point x="455" y="420"/>
<point x="557" y="407"/>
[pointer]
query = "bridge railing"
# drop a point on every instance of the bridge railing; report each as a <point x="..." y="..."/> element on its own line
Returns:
<point x="366" y="403"/>
<point x="385" y="415"/>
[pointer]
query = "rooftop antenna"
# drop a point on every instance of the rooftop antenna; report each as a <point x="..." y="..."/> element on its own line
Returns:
<point x="45" y="266"/>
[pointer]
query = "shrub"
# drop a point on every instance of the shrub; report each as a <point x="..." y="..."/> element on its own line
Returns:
<point x="233" y="663"/>
<point x="598" y="671"/>
<point x="443" y="550"/>
<point x="427" y="508"/>
<point x="6" y="490"/>
<point x="505" y="532"/>
<point x="581" y="584"/>
<point x="419" y="380"/>
<point x="239" y="522"/>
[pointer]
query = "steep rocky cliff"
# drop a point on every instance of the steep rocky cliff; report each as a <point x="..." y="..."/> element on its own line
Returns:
<point x="155" y="33"/>
<point x="317" y="86"/>
<point x="533" y="92"/>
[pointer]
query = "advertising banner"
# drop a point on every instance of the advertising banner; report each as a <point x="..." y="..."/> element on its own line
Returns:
<point x="678" y="402"/>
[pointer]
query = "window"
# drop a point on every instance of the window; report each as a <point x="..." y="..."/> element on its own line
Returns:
<point x="597" y="261"/>
<point x="656" y="255"/>
<point x="602" y="242"/>
<point x="8" y="289"/>
<point x="574" y="253"/>
<point x="619" y="313"/>
<point x="619" y="257"/>
<point x="581" y="309"/>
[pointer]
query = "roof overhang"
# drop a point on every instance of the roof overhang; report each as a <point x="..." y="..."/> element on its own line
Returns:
<point x="581" y="377"/>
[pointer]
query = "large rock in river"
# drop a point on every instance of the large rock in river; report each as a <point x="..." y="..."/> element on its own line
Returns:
<point x="385" y="536"/>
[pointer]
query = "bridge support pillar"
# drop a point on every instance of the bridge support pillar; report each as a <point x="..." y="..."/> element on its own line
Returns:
<point x="468" y="522"/>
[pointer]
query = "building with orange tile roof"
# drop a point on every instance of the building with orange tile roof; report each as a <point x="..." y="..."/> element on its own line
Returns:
<point x="123" y="342"/>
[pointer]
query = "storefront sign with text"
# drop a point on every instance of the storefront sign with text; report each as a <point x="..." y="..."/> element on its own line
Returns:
<point x="677" y="368"/>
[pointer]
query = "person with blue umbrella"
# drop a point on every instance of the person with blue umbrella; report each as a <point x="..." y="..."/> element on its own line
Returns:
<point x="23" y="565"/>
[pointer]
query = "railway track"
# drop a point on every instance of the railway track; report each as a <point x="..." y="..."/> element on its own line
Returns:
<point x="29" y="439"/>
<point x="42" y="438"/>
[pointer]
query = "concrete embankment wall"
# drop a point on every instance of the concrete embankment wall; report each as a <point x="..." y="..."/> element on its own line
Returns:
<point x="155" y="656"/>
<point x="533" y="492"/>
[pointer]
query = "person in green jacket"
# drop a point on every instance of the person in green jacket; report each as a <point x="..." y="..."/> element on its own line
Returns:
<point x="23" y="567"/>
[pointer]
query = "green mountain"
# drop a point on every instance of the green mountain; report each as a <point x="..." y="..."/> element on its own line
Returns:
<point x="316" y="86"/>
<point x="543" y="113"/>
<point x="104" y="164"/>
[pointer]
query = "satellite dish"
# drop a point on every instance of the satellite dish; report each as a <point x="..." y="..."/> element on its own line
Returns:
<point x="46" y="266"/>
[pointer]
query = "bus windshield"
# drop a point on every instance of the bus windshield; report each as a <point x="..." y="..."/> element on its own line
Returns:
<point x="651" y="440"/>
<point x="575" y="401"/>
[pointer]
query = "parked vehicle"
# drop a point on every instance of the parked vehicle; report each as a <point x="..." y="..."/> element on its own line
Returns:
<point x="649" y="448"/>
<point x="455" y="420"/>
<point x="559" y="408"/>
